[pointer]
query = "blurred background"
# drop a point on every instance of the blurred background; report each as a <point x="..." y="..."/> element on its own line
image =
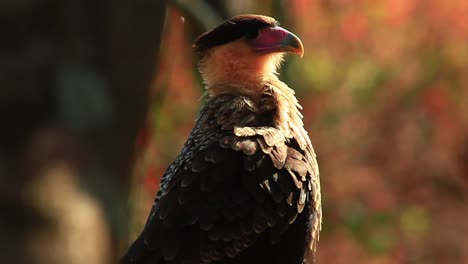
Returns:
<point x="98" y="97"/>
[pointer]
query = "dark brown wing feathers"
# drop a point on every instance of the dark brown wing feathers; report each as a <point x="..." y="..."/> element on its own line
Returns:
<point x="235" y="181"/>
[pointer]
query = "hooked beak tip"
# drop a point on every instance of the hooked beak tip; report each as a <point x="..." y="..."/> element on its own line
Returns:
<point x="292" y="43"/>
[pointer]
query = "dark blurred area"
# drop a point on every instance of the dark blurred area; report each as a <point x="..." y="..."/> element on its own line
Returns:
<point x="97" y="98"/>
<point x="75" y="78"/>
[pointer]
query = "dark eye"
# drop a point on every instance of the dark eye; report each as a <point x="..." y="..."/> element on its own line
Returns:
<point x="252" y="34"/>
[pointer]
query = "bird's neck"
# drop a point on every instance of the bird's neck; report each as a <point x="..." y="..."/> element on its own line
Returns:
<point x="288" y="117"/>
<point x="269" y="96"/>
<point x="236" y="65"/>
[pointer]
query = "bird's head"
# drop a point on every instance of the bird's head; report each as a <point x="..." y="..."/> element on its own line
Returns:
<point x="244" y="50"/>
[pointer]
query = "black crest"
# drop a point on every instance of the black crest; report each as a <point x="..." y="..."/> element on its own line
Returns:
<point x="232" y="29"/>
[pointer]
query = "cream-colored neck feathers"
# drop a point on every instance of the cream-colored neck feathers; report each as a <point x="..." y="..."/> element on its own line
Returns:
<point x="289" y="117"/>
<point x="236" y="65"/>
<point x="236" y="68"/>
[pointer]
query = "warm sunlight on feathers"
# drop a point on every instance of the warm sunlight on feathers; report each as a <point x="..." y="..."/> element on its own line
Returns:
<point x="236" y="63"/>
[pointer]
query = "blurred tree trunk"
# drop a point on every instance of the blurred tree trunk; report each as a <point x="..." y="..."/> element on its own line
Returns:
<point x="74" y="81"/>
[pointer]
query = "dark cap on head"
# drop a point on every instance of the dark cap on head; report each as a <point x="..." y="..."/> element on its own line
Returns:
<point x="232" y="29"/>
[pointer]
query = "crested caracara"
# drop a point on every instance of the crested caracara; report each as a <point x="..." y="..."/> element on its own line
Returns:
<point x="245" y="188"/>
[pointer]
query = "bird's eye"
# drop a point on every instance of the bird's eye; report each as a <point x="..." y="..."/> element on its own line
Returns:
<point x="252" y="34"/>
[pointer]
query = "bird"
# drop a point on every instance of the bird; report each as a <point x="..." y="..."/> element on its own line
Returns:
<point x="245" y="188"/>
